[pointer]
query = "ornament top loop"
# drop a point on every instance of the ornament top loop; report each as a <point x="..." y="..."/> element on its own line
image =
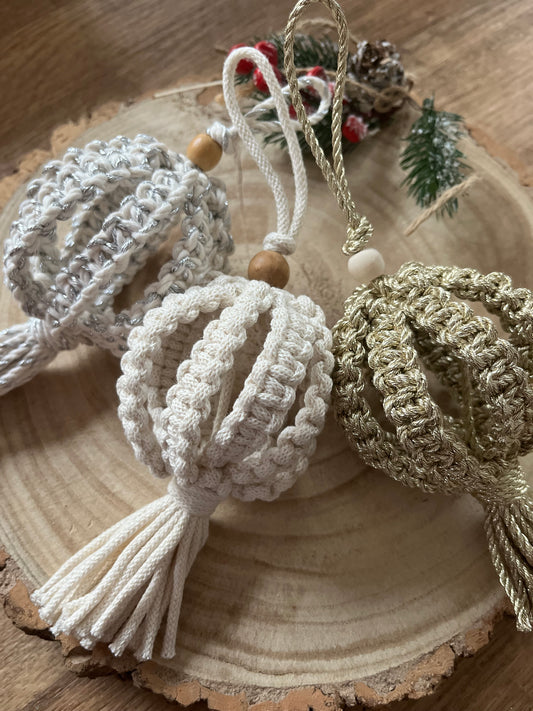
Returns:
<point x="286" y="229"/>
<point x="315" y="83"/>
<point x="360" y="228"/>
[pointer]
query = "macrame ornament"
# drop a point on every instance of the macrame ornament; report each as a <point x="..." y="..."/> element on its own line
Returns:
<point x="224" y="389"/>
<point x="394" y="330"/>
<point x="122" y="198"/>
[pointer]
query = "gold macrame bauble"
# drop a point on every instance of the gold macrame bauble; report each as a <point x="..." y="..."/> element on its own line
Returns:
<point x="399" y="327"/>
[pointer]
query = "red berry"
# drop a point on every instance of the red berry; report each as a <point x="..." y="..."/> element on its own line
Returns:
<point x="260" y="83"/>
<point x="245" y="66"/>
<point x="269" y="50"/>
<point x="319" y="72"/>
<point x="354" y="129"/>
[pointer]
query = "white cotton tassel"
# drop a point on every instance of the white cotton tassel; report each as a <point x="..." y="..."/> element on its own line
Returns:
<point x="127" y="584"/>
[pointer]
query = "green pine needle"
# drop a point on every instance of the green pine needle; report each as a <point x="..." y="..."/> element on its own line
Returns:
<point x="431" y="158"/>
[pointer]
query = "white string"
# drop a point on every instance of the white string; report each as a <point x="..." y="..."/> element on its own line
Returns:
<point x="286" y="231"/>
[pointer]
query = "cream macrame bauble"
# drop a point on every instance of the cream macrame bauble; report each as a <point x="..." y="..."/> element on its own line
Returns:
<point x="395" y="331"/>
<point x="225" y="388"/>
<point x="122" y="199"/>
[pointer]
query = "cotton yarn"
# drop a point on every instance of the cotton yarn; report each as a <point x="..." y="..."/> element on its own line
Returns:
<point x="225" y="388"/>
<point x="123" y="198"/>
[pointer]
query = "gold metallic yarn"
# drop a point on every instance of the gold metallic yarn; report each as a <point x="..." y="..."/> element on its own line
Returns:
<point x="359" y="228"/>
<point x="394" y="329"/>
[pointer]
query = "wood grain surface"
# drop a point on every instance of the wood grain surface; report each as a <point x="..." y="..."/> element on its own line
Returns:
<point x="61" y="59"/>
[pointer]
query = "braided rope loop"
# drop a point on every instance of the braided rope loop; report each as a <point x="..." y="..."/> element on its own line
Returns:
<point x="360" y="229"/>
<point x="392" y="333"/>
<point x="122" y="198"/>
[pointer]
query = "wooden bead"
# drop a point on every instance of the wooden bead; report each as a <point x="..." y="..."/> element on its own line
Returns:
<point x="204" y="152"/>
<point x="271" y="267"/>
<point x="366" y="265"/>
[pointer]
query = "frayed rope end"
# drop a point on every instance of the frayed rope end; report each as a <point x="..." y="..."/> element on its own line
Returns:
<point x="509" y="529"/>
<point x="128" y="582"/>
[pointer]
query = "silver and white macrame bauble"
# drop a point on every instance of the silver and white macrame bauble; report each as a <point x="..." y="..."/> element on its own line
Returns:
<point x="123" y="198"/>
<point x="225" y="388"/>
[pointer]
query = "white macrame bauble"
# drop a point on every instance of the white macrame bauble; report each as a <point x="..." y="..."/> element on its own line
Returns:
<point x="122" y="198"/>
<point x="224" y="389"/>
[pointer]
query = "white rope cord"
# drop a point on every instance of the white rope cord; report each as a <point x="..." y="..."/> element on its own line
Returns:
<point x="284" y="239"/>
<point x="123" y="198"/>
<point x="225" y="388"/>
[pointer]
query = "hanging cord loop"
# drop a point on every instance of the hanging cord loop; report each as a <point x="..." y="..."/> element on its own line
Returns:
<point x="283" y="240"/>
<point x="360" y="229"/>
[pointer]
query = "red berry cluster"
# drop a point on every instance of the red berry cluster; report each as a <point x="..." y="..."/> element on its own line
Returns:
<point x="354" y="128"/>
<point x="246" y="66"/>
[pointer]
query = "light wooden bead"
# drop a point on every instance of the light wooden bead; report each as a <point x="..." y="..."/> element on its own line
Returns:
<point x="366" y="265"/>
<point x="204" y="152"/>
<point x="271" y="267"/>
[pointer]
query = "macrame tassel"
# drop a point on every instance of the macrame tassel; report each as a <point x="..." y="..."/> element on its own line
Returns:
<point x="509" y="528"/>
<point x="120" y="586"/>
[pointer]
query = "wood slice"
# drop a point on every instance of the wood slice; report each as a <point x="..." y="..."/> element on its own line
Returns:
<point x="350" y="588"/>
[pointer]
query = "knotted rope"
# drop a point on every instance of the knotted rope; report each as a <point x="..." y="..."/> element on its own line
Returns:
<point x="395" y="327"/>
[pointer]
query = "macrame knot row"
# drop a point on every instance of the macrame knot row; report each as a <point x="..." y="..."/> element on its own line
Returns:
<point x="123" y="198"/>
<point x="245" y="353"/>
<point x="400" y="327"/>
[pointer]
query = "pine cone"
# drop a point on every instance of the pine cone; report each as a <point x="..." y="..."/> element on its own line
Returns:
<point x="378" y="64"/>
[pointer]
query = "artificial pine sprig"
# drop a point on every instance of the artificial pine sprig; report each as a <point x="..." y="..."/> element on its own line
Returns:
<point x="431" y="158"/>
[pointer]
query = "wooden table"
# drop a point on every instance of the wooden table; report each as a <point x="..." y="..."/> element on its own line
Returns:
<point x="63" y="58"/>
